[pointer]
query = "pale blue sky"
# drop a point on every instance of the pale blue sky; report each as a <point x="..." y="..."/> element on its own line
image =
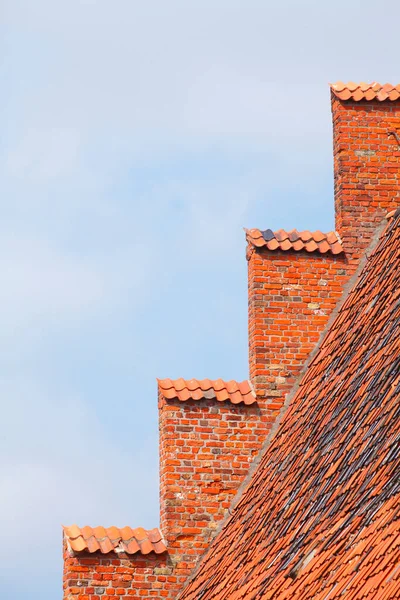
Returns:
<point x="138" y="138"/>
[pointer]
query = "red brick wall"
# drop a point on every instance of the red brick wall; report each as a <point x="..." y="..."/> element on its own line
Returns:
<point x="291" y="296"/>
<point x="100" y="576"/>
<point x="205" y="450"/>
<point x="366" y="168"/>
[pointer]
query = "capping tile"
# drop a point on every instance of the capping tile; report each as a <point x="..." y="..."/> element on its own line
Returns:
<point x="193" y="389"/>
<point x="295" y="240"/>
<point x="365" y="91"/>
<point x="113" y="539"/>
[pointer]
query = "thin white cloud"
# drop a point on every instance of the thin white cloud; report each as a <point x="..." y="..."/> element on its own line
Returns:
<point x="43" y="155"/>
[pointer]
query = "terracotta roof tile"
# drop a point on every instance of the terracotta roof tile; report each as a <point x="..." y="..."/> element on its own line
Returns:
<point x="319" y="519"/>
<point x="365" y="91"/>
<point x="315" y="241"/>
<point x="112" y="539"/>
<point x="194" y="389"/>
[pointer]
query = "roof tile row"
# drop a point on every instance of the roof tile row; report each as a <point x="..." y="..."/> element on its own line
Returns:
<point x="315" y="241"/>
<point x="365" y="91"/>
<point x="194" y="389"/>
<point x="113" y="539"/>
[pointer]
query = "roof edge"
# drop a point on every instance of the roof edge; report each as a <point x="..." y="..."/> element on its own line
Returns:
<point x="365" y="91"/>
<point x="379" y="231"/>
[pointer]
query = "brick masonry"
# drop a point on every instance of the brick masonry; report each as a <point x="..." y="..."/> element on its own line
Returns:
<point x="100" y="576"/>
<point x="366" y="168"/>
<point x="205" y="450"/>
<point x="291" y="296"/>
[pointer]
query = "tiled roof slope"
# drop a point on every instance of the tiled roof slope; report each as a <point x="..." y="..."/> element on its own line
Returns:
<point x="194" y="389"/>
<point x="295" y="240"/>
<point x="320" y="517"/>
<point x="366" y="91"/>
<point x="112" y="539"/>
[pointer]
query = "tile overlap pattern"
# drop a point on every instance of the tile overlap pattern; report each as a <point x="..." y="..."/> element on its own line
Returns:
<point x="320" y="517"/>
<point x="315" y="241"/>
<point x="113" y="539"/>
<point x="194" y="389"/>
<point x="365" y="91"/>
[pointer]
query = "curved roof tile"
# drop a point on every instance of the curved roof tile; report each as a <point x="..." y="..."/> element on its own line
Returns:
<point x="194" y="389"/>
<point x="365" y="91"/>
<point x="315" y="241"/>
<point x="112" y="539"/>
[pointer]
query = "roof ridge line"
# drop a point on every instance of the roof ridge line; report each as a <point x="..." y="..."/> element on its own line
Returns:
<point x="379" y="232"/>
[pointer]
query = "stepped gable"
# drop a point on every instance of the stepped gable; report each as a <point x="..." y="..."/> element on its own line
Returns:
<point x="320" y="517"/>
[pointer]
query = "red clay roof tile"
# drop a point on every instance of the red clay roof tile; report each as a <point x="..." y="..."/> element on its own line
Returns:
<point x="295" y="240"/>
<point x="365" y="91"/>
<point x="112" y="539"/>
<point x="319" y="519"/>
<point x="194" y="389"/>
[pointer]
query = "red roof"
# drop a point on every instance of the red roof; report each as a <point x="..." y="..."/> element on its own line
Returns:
<point x="194" y="389"/>
<point x="295" y="240"/>
<point x="112" y="539"/>
<point x="320" y="516"/>
<point x="365" y="91"/>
